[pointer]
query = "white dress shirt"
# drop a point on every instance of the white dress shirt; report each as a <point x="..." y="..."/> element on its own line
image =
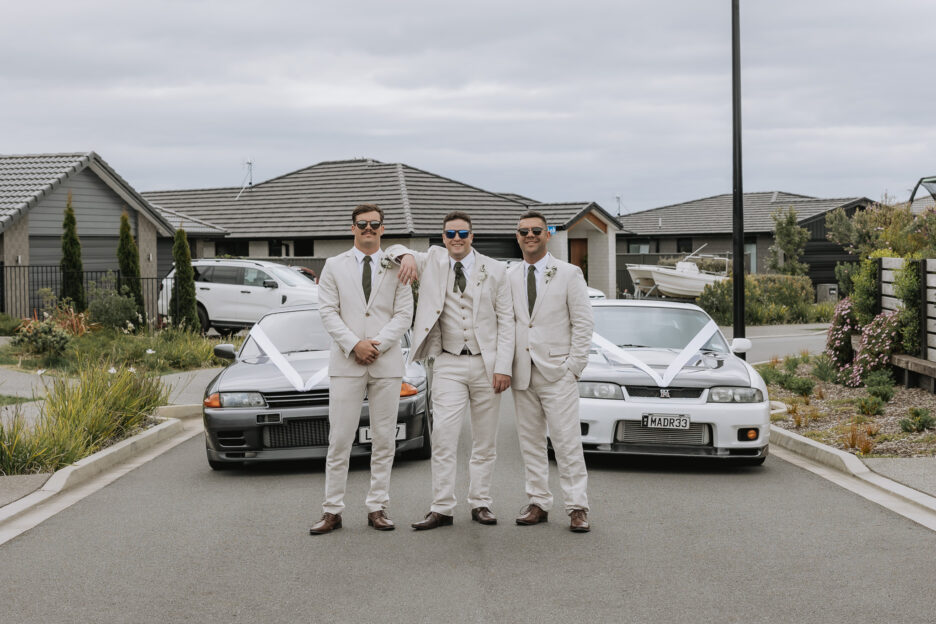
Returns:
<point x="539" y="272"/>
<point x="467" y="264"/>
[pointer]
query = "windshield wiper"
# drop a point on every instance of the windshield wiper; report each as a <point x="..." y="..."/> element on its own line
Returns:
<point x="624" y="346"/>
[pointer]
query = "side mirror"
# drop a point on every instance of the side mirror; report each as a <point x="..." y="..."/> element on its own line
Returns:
<point x="741" y="345"/>
<point x="270" y="284"/>
<point x="225" y="351"/>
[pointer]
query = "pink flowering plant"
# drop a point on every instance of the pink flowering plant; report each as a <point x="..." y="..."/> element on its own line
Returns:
<point x="878" y="341"/>
<point x="838" y="340"/>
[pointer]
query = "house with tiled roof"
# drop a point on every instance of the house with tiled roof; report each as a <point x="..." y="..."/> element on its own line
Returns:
<point x="679" y="229"/>
<point x="306" y="214"/>
<point x="34" y="189"/>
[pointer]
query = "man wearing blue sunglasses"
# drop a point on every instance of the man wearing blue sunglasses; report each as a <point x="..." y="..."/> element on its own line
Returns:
<point x="464" y="319"/>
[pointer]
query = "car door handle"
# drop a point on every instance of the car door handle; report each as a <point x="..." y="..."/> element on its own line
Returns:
<point x="203" y="288"/>
<point x="246" y="292"/>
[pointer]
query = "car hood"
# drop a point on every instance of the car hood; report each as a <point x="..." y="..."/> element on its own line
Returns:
<point x="261" y="375"/>
<point x="715" y="369"/>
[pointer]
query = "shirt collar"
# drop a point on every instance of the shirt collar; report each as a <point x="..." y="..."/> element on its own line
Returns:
<point x="375" y="257"/>
<point x="467" y="261"/>
<point x="540" y="264"/>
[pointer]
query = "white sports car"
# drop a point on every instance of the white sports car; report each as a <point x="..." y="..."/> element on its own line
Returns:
<point x="662" y="380"/>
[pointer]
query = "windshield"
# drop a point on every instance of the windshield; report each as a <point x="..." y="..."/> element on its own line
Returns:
<point x="284" y="275"/>
<point x="660" y="328"/>
<point x="301" y="330"/>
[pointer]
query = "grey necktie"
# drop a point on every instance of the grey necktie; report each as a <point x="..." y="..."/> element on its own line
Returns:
<point x="531" y="287"/>
<point x="459" y="278"/>
<point x="366" y="278"/>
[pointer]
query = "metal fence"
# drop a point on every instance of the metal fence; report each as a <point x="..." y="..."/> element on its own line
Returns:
<point x="23" y="288"/>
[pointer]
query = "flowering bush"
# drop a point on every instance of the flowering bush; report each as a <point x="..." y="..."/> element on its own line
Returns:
<point x="878" y="341"/>
<point x="838" y="340"/>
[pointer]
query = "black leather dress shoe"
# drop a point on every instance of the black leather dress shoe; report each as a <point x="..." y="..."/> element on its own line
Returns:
<point x="433" y="521"/>
<point x="483" y="515"/>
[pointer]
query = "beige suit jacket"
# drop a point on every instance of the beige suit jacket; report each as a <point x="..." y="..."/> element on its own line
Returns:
<point x="492" y="311"/>
<point x="350" y="319"/>
<point x="557" y="335"/>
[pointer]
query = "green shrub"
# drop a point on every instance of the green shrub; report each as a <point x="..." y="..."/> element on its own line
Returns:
<point x="772" y="375"/>
<point x="128" y="258"/>
<point x="20" y="451"/>
<point x="820" y="312"/>
<point x="880" y="377"/>
<point x="885" y="393"/>
<point x="870" y="405"/>
<point x="802" y="386"/>
<point x="878" y="340"/>
<point x="116" y="310"/>
<point x="907" y="288"/>
<point x="823" y="368"/>
<point x="44" y="338"/>
<point x="844" y="274"/>
<point x="9" y="325"/>
<point x="918" y="420"/>
<point x="791" y="363"/>
<point x="768" y="300"/>
<point x="183" y="309"/>
<point x="865" y="286"/>
<point x="72" y="269"/>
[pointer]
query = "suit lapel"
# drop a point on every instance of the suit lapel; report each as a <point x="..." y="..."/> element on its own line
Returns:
<point x="477" y="279"/>
<point x="516" y="284"/>
<point x="547" y="280"/>
<point x="351" y="261"/>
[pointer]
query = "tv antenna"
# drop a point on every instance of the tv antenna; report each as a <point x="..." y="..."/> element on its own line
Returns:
<point x="248" y="179"/>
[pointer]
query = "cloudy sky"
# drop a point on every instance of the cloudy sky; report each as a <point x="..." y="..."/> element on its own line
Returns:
<point x="559" y="101"/>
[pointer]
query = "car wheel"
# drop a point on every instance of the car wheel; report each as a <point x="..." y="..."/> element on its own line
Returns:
<point x="203" y="319"/>
<point x="425" y="451"/>
<point x="227" y="331"/>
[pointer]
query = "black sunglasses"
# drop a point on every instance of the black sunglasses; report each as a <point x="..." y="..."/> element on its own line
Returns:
<point x="461" y="233"/>
<point x="536" y="231"/>
<point x="362" y="225"/>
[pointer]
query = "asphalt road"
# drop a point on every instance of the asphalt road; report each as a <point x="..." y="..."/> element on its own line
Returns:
<point x="672" y="542"/>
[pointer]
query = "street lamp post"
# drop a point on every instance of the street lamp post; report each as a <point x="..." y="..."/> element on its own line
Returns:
<point x="738" y="194"/>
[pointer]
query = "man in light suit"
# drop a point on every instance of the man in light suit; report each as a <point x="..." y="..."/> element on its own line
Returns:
<point x="464" y="319"/>
<point x="366" y="310"/>
<point x="554" y="329"/>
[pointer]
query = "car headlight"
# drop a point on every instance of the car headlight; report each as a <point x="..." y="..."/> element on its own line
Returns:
<point x="729" y="394"/>
<point x="242" y="399"/>
<point x="600" y="390"/>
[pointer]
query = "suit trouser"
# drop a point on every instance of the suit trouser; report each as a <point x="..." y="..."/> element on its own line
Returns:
<point x="346" y="394"/>
<point x="552" y="404"/>
<point x="460" y="381"/>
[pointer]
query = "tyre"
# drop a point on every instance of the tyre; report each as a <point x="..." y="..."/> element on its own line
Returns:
<point x="203" y="319"/>
<point x="425" y="451"/>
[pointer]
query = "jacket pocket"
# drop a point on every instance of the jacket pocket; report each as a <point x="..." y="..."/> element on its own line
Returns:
<point x="559" y="351"/>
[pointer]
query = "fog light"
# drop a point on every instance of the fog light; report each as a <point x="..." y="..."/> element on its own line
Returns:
<point x="748" y="435"/>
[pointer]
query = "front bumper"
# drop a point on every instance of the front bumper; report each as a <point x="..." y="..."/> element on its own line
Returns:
<point x="615" y="427"/>
<point x="235" y="435"/>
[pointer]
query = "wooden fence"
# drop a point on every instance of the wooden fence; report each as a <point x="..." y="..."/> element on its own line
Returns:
<point x="888" y="300"/>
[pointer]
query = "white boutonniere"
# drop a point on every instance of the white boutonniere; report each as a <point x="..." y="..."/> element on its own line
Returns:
<point x="386" y="263"/>
<point x="482" y="274"/>
<point x="550" y="273"/>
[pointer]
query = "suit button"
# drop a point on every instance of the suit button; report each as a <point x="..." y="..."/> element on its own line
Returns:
<point x="368" y="314"/>
<point x="531" y="325"/>
<point x="438" y="311"/>
<point x="528" y="348"/>
<point x="426" y="329"/>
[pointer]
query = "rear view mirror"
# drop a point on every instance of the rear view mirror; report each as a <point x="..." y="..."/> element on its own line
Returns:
<point x="224" y="351"/>
<point x="740" y="345"/>
<point x="270" y="284"/>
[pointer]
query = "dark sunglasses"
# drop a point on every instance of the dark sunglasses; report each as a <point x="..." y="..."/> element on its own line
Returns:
<point x="461" y="233"/>
<point x="536" y="231"/>
<point x="362" y="225"/>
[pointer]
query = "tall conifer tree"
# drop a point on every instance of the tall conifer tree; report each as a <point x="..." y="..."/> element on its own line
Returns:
<point x="182" y="304"/>
<point x="72" y="270"/>
<point x="128" y="257"/>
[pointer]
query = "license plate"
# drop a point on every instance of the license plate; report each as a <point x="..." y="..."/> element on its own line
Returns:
<point x="665" y="421"/>
<point x="364" y="434"/>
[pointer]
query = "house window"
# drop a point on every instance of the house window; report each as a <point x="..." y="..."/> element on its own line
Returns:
<point x="750" y="250"/>
<point x="304" y="247"/>
<point x="638" y="247"/>
<point x="683" y="245"/>
<point x="278" y="248"/>
<point x="235" y="248"/>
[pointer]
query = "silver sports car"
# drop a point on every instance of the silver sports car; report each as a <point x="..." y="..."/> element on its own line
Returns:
<point x="662" y="380"/>
<point x="269" y="403"/>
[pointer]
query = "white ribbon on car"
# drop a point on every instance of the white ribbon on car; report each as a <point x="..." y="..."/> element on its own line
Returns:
<point x="675" y="366"/>
<point x="279" y="360"/>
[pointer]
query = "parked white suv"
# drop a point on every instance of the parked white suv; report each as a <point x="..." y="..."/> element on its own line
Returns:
<point x="233" y="294"/>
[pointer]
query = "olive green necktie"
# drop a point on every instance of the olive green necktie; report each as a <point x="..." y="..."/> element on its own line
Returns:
<point x="531" y="287"/>
<point x="366" y="278"/>
<point x="459" y="278"/>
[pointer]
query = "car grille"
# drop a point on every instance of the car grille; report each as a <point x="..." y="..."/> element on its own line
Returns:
<point x="653" y="392"/>
<point x="633" y="432"/>
<point x="295" y="399"/>
<point x="297" y="432"/>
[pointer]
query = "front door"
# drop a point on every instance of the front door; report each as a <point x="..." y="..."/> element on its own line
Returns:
<point x="578" y="254"/>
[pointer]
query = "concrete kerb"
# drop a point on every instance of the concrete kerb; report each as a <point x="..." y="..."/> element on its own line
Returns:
<point x="87" y="468"/>
<point x="843" y="462"/>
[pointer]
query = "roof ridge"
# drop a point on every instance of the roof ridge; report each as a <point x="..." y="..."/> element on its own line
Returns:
<point x="324" y="162"/>
<point x="216" y="188"/>
<point x="404" y="196"/>
<point x="436" y="175"/>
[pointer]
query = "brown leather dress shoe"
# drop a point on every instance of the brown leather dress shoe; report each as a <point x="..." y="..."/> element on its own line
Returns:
<point x="483" y="515"/>
<point x="380" y="521"/>
<point x="579" y="522"/>
<point x="534" y="514"/>
<point x="327" y="524"/>
<point x="433" y="521"/>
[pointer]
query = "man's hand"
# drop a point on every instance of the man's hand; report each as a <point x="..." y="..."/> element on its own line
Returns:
<point x="408" y="269"/>
<point x="501" y="382"/>
<point x="365" y="351"/>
